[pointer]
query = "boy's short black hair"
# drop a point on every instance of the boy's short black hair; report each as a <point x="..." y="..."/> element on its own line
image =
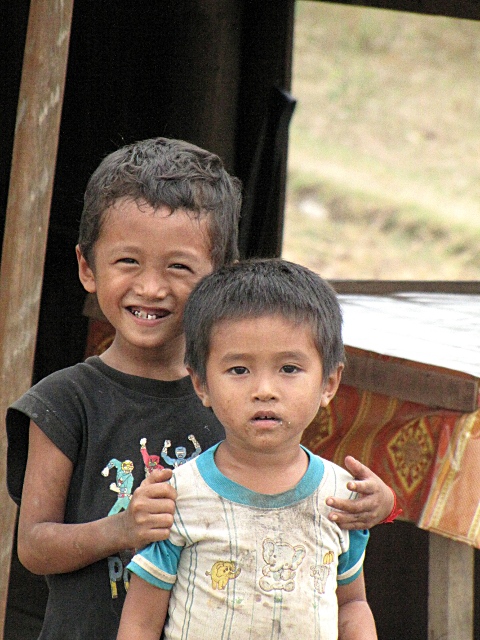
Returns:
<point x="166" y="172"/>
<point x="256" y="288"/>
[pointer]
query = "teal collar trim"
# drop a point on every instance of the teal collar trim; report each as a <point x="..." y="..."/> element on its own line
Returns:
<point x="235" y="492"/>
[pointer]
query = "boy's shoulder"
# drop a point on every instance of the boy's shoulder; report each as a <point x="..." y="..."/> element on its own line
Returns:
<point x="336" y="477"/>
<point x="93" y="371"/>
<point x="190" y="476"/>
<point x="78" y="370"/>
<point x="60" y="380"/>
<point x="64" y="397"/>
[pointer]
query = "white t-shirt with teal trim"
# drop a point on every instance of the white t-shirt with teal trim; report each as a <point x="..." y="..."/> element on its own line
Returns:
<point x="245" y="565"/>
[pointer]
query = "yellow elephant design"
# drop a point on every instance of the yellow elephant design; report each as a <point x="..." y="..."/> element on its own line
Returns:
<point x="223" y="571"/>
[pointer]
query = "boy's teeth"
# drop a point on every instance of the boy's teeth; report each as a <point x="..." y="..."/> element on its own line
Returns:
<point x="144" y="315"/>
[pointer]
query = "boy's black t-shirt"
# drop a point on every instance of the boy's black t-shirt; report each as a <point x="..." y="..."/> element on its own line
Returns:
<point x="112" y="426"/>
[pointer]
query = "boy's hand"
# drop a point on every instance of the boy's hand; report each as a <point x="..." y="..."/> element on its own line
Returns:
<point x="374" y="502"/>
<point x="149" y="516"/>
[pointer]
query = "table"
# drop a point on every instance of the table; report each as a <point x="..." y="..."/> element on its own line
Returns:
<point x="409" y="408"/>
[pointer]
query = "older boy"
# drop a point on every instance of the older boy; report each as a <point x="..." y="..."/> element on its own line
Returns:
<point x="158" y="216"/>
<point x="252" y="552"/>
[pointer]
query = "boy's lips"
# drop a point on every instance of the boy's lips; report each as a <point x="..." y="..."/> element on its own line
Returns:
<point x="145" y="313"/>
<point x="266" y="416"/>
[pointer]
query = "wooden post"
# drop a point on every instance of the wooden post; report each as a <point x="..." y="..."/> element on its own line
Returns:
<point x="451" y="589"/>
<point x="26" y="227"/>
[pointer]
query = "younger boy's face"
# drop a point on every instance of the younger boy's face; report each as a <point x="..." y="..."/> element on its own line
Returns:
<point x="146" y="263"/>
<point x="264" y="381"/>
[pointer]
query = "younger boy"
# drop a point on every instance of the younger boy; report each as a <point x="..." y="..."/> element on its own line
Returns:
<point x="158" y="216"/>
<point x="252" y="552"/>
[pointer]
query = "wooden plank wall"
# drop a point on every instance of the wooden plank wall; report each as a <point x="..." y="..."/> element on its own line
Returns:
<point x="26" y="227"/>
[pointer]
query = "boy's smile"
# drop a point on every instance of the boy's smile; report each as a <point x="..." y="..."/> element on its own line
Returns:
<point x="264" y="382"/>
<point x="144" y="314"/>
<point x="146" y="262"/>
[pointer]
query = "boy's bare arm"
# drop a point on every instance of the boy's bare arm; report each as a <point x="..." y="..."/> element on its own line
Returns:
<point x="144" y="611"/>
<point x="374" y="503"/>
<point x="355" y="618"/>
<point x="46" y="545"/>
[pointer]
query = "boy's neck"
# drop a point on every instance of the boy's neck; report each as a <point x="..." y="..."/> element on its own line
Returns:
<point x="145" y="363"/>
<point x="262" y="472"/>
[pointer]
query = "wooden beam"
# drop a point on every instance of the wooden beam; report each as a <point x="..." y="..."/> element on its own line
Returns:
<point x="26" y="227"/>
<point x="450" y="590"/>
<point x="388" y="287"/>
<point x="400" y="378"/>
<point x="468" y="9"/>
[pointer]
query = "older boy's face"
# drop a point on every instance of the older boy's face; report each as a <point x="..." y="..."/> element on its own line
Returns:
<point x="146" y="264"/>
<point x="264" y="381"/>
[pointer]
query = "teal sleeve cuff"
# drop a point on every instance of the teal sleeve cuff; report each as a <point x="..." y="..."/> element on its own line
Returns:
<point x="157" y="564"/>
<point x="350" y="563"/>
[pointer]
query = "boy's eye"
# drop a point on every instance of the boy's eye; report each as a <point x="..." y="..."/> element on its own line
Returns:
<point x="180" y="266"/>
<point x="289" y="368"/>
<point x="127" y="260"/>
<point x="238" y="371"/>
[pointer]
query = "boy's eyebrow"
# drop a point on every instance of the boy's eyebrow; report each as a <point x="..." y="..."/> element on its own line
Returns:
<point x="229" y="357"/>
<point x="182" y="252"/>
<point x="132" y="248"/>
<point x="120" y="246"/>
<point x="281" y="355"/>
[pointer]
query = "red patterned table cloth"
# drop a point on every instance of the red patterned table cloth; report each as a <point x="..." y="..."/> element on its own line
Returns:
<point x="430" y="457"/>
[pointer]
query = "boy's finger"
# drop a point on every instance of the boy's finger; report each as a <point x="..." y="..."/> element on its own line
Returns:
<point x="159" y="534"/>
<point x="363" y="487"/>
<point x="159" y="475"/>
<point x="350" y="522"/>
<point x="162" y="507"/>
<point x="358" y="470"/>
<point x="155" y="486"/>
<point x="161" y="490"/>
<point x="346" y="506"/>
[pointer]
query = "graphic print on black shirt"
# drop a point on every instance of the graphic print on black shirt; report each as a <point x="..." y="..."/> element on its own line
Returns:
<point x="123" y="486"/>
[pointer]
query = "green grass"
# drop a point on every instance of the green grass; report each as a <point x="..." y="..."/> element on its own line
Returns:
<point x="384" y="157"/>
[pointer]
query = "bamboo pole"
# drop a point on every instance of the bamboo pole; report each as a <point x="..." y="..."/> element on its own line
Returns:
<point x="28" y="210"/>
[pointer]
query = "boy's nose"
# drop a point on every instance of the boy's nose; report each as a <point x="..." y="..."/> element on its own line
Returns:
<point x="265" y="390"/>
<point x="151" y="285"/>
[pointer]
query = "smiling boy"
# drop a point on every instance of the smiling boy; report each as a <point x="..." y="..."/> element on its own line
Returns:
<point x="252" y="552"/>
<point x="158" y="216"/>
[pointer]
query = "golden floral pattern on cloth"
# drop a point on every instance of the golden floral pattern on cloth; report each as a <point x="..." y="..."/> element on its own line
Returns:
<point x="411" y="451"/>
<point x="429" y="456"/>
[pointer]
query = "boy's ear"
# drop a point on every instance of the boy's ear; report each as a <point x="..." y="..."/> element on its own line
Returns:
<point x="85" y="273"/>
<point x="331" y="386"/>
<point x="200" y="388"/>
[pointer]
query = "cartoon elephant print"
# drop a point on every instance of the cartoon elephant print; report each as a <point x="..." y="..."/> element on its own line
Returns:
<point x="282" y="561"/>
<point x="223" y="571"/>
